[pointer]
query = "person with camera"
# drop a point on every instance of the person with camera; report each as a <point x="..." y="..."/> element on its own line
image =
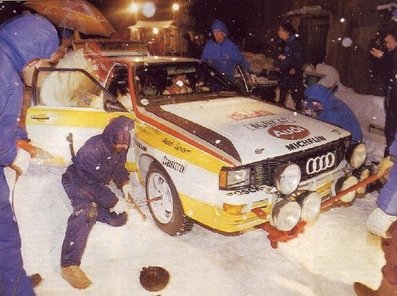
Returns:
<point x="388" y="60"/>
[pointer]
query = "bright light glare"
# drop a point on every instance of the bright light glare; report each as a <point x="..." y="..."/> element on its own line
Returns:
<point x="175" y="7"/>
<point x="148" y="9"/>
<point x="155" y="31"/>
<point x="134" y="7"/>
<point x="342" y="20"/>
<point x="347" y="42"/>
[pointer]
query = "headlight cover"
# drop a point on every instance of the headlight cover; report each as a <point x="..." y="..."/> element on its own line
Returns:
<point x="287" y="178"/>
<point x="233" y="179"/>
<point x="310" y="202"/>
<point x="285" y="215"/>
<point x="358" y="155"/>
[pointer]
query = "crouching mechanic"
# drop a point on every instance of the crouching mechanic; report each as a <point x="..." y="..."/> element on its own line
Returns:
<point x="322" y="104"/>
<point x="100" y="160"/>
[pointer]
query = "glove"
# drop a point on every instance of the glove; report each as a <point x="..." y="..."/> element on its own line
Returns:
<point x="35" y="152"/>
<point x="25" y="145"/>
<point x="21" y="162"/>
<point x="384" y="166"/>
<point x="128" y="191"/>
<point x="120" y="207"/>
<point x="378" y="222"/>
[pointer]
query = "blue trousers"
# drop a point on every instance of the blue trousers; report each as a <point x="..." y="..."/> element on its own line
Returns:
<point x="85" y="213"/>
<point x="13" y="278"/>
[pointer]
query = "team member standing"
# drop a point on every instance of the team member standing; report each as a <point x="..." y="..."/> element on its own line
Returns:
<point x="290" y="62"/>
<point x="222" y="53"/>
<point x="23" y="41"/>
<point x="389" y="66"/>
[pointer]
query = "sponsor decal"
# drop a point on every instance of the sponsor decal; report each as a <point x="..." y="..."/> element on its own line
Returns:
<point x="288" y="132"/>
<point x="177" y="146"/>
<point x="248" y="190"/>
<point x="241" y="115"/>
<point x="305" y="142"/>
<point x="140" y="146"/>
<point x="172" y="164"/>
<point x="268" y="123"/>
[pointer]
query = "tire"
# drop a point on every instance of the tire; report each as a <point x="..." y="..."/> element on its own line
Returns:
<point x="164" y="204"/>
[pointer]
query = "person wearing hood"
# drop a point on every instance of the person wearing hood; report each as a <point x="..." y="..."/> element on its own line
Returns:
<point x="222" y="53"/>
<point x="290" y="65"/>
<point x="322" y="104"/>
<point x="383" y="222"/>
<point x="100" y="160"/>
<point x="24" y="41"/>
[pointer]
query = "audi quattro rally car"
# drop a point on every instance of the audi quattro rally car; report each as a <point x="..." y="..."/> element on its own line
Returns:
<point x="213" y="154"/>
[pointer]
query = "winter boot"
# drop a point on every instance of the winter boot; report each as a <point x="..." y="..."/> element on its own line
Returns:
<point x="35" y="279"/>
<point x="385" y="289"/>
<point x="112" y="218"/>
<point x="75" y="276"/>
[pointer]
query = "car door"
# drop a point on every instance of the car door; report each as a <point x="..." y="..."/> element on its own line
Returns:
<point x="68" y="102"/>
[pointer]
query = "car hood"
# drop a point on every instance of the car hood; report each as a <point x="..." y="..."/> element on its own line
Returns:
<point x="247" y="129"/>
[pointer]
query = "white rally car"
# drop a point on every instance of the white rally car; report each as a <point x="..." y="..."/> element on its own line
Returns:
<point x="214" y="154"/>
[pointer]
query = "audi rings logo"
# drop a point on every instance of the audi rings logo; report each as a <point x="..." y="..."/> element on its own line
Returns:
<point x="320" y="163"/>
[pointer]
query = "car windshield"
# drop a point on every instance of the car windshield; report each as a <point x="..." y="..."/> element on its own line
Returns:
<point x="174" y="82"/>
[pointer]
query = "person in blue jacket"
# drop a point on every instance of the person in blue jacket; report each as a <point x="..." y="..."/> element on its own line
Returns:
<point x="222" y="53"/>
<point x="290" y="62"/>
<point x="22" y="40"/>
<point x="100" y="160"/>
<point x="383" y="222"/>
<point x="329" y="108"/>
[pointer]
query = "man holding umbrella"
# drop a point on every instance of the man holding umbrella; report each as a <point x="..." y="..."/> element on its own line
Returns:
<point x="23" y="41"/>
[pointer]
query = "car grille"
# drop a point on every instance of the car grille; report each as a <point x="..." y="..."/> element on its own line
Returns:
<point x="264" y="171"/>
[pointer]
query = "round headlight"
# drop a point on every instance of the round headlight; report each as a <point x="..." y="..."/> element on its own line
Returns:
<point x="311" y="205"/>
<point x="343" y="184"/>
<point x="358" y="155"/>
<point x="285" y="215"/>
<point x="364" y="174"/>
<point x="287" y="178"/>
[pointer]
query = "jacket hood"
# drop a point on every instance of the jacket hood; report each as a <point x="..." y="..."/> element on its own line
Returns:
<point x="318" y="93"/>
<point x="28" y="37"/>
<point x="218" y="25"/>
<point x="118" y="131"/>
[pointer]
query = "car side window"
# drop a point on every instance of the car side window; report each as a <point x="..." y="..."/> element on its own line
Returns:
<point x="117" y="85"/>
<point x="67" y="88"/>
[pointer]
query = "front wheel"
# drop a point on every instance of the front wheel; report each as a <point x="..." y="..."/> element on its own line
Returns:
<point x="164" y="203"/>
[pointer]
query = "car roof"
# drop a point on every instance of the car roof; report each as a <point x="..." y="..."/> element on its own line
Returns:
<point x="116" y="47"/>
<point x="153" y="59"/>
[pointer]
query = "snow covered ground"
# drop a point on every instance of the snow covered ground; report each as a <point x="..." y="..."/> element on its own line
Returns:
<point x="326" y="259"/>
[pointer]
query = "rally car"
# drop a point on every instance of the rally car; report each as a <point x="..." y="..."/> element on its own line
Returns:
<point x="213" y="155"/>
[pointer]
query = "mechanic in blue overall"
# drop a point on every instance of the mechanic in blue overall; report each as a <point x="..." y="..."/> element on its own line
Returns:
<point x="222" y="53"/>
<point x="290" y="62"/>
<point x="23" y="41"/>
<point x="100" y="160"/>
<point x="322" y="104"/>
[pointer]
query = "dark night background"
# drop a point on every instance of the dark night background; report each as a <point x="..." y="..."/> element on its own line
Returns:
<point x="253" y="24"/>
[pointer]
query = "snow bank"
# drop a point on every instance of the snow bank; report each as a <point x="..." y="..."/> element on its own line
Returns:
<point x="332" y="253"/>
